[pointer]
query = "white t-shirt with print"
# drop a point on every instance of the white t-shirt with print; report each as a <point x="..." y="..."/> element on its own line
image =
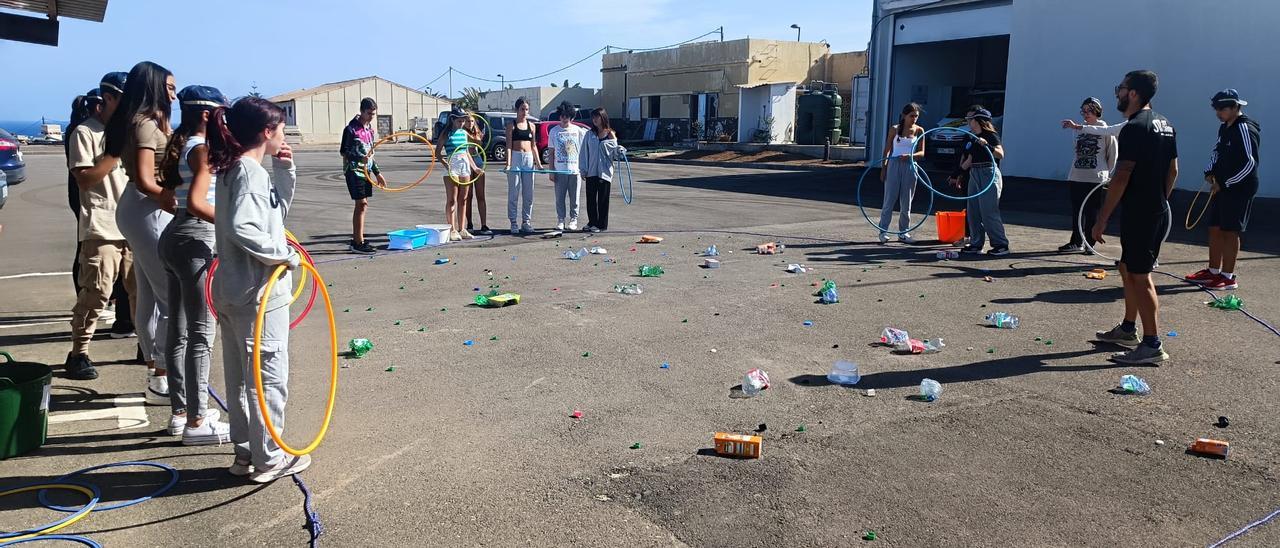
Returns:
<point x="567" y="143"/>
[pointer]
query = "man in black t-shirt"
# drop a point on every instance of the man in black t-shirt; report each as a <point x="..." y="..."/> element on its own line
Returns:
<point x="1145" y="173"/>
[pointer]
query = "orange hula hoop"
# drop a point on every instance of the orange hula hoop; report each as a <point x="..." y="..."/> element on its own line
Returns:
<point x="430" y="164"/>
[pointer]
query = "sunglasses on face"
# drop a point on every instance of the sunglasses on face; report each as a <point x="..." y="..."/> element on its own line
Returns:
<point x="1120" y="87"/>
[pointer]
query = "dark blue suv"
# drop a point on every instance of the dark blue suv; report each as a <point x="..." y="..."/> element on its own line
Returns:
<point x="11" y="158"/>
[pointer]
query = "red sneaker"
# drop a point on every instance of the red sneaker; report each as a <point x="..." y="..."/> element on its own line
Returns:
<point x="1201" y="276"/>
<point x="1221" y="282"/>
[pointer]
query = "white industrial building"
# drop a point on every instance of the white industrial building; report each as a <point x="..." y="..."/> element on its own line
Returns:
<point x="542" y="100"/>
<point x="318" y="114"/>
<point x="1040" y="58"/>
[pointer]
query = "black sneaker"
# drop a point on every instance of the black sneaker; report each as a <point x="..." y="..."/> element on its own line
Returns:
<point x="998" y="251"/>
<point x="594" y="229"/>
<point x="122" y="329"/>
<point x="1070" y="248"/>
<point x="470" y="227"/>
<point x="79" y="368"/>
<point x="485" y="231"/>
<point x="362" y="247"/>
<point x="970" y="249"/>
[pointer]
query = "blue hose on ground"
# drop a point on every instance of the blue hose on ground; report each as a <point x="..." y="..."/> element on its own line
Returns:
<point x="1245" y="529"/>
<point x="69" y="538"/>
<point x="313" y="525"/>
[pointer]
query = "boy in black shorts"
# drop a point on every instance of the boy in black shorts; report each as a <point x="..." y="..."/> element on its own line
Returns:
<point x="357" y="139"/>
<point x="1144" y="176"/>
<point x="1233" y="174"/>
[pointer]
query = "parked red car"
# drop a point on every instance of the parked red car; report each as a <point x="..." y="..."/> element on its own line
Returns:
<point x="543" y="141"/>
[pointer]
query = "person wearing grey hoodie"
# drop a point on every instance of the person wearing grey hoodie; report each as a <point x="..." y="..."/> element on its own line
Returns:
<point x="599" y="149"/>
<point x="249" y="225"/>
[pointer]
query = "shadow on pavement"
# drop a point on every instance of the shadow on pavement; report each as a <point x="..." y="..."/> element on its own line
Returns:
<point x="977" y="371"/>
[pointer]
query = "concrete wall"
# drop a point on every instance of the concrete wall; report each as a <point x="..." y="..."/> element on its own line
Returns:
<point x="543" y="101"/>
<point x="320" y="117"/>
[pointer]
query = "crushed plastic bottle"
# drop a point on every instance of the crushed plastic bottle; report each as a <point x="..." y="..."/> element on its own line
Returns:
<point x="360" y="347"/>
<point x="442" y="260"/>
<point x="930" y="389"/>
<point x="829" y="295"/>
<point x="944" y="255"/>
<point x="892" y="336"/>
<point x="627" y="289"/>
<point x="711" y="251"/>
<point x="795" y="268"/>
<point x="651" y="271"/>
<point x="575" y="255"/>
<point x="597" y="250"/>
<point x="1230" y="302"/>
<point x="845" y="373"/>
<point x="1132" y="384"/>
<point x="1002" y="320"/>
<point x="916" y="346"/>
<point x="754" y="382"/>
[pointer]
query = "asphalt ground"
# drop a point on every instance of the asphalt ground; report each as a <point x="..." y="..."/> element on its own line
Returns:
<point x="475" y="445"/>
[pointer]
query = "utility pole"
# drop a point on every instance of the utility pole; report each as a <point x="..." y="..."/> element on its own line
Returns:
<point x="721" y="30"/>
<point x="450" y="83"/>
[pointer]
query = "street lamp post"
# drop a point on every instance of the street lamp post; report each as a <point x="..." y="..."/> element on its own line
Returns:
<point x="797" y="27"/>
<point x="504" y="81"/>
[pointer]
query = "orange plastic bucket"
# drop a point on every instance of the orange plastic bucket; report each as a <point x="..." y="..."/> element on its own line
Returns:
<point x="950" y="226"/>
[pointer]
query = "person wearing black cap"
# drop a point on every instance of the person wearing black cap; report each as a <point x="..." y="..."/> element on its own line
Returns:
<point x="981" y="160"/>
<point x="1233" y="175"/>
<point x="1145" y="173"/>
<point x="186" y="248"/>
<point x="104" y="255"/>
<point x="1095" y="159"/>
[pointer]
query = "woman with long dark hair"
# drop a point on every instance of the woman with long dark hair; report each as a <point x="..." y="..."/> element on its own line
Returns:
<point x="249" y="227"/>
<point x="983" y="213"/>
<point x="475" y="191"/>
<point x="83" y="107"/>
<point x="137" y="134"/>
<point x="898" y="176"/>
<point x="523" y="155"/>
<point x="599" y="149"/>
<point x="460" y="167"/>
<point x="186" y="248"/>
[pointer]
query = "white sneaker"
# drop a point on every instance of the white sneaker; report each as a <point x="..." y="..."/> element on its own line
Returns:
<point x="560" y="226"/>
<point x="454" y="236"/>
<point x="288" y="466"/>
<point x="573" y="224"/>
<point x="240" y="468"/>
<point x="466" y="235"/>
<point x="178" y="423"/>
<point x="884" y="237"/>
<point x="906" y="238"/>
<point x="157" y="390"/>
<point x="210" y="432"/>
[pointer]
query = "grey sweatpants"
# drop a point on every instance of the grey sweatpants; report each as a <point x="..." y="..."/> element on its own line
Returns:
<point x="900" y="188"/>
<point x="984" y="211"/>
<point x="186" y="247"/>
<point x="568" y="188"/>
<point x="520" y="185"/>
<point x="141" y="221"/>
<point x="248" y="432"/>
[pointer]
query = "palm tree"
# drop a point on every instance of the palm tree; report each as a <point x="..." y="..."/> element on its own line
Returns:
<point x="470" y="99"/>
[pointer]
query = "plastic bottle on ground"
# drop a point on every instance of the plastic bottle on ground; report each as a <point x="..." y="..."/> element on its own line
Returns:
<point x="575" y="255"/>
<point x="1134" y="385"/>
<point x="651" y="271"/>
<point x="930" y="389"/>
<point x="1002" y="320"/>
<point x="755" y="381"/>
<point x="916" y="346"/>
<point x="712" y="251"/>
<point x="829" y="295"/>
<point x="627" y="289"/>
<point x="892" y="336"/>
<point x="845" y="373"/>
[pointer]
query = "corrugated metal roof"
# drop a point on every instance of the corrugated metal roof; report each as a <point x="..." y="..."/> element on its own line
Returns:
<point x="324" y="88"/>
<point x="89" y="10"/>
<point x="758" y="84"/>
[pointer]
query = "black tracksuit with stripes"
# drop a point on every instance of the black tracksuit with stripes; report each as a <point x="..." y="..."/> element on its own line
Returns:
<point x="1234" y="164"/>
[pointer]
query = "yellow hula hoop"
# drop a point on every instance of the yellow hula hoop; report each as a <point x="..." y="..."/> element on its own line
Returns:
<point x="302" y="282"/>
<point x="1187" y="222"/>
<point x="462" y="150"/>
<point x="257" y="361"/>
<point x="430" y="164"/>
<point x="82" y="513"/>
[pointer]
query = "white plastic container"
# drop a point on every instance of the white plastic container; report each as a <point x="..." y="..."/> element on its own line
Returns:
<point x="437" y="234"/>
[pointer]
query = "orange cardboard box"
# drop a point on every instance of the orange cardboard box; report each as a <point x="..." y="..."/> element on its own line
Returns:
<point x="1211" y="448"/>
<point x="647" y="239"/>
<point x="738" y="445"/>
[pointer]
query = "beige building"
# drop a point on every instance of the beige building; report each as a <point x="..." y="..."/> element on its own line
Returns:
<point x="702" y="82"/>
<point x="542" y="100"/>
<point x="318" y="115"/>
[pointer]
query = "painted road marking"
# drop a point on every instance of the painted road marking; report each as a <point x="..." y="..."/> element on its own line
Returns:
<point x="130" y="411"/>
<point x="34" y="275"/>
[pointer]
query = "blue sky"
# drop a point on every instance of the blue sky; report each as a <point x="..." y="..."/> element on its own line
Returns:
<point x="283" y="45"/>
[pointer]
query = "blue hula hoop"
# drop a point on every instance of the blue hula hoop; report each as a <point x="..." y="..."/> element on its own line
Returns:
<point x="76" y="512"/>
<point x="992" y="155"/>
<point x="628" y="192"/>
<point x="920" y="176"/>
<point x="69" y="538"/>
<point x="173" y="480"/>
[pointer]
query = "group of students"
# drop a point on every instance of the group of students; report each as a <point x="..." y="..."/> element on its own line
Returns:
<point x="1138" y="161"/>
<point x="156" y="206"/>
<point x="578" y="154"/>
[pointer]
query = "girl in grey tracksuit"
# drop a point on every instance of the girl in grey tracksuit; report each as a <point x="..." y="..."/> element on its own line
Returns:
<point x="249" y="223"/>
